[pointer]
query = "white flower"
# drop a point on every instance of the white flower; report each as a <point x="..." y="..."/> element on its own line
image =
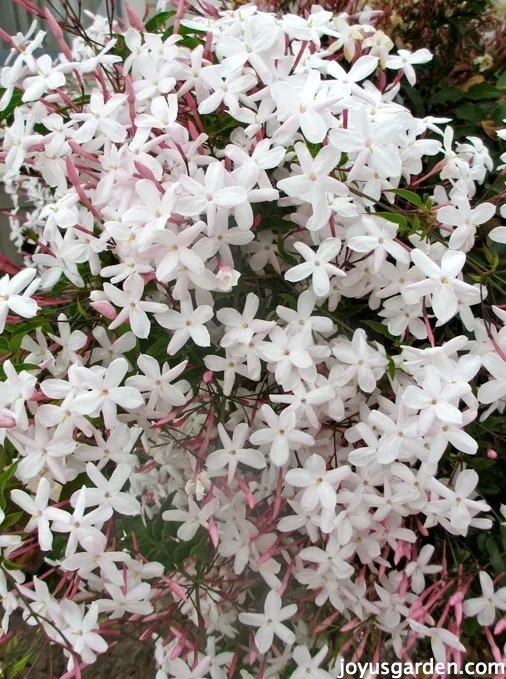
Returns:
<point x="38" y="510"/>
<point x="381" y="240"/>
<point x="484" y="607"/>
<point x="439" y="639"/>
<point x="317" y="265"/>
<point x="12" y="300"/>
<point x="364" y="362"/>
<point x="78" y="629"/>
<point x="188" y="323"/>
<point x="333" y="558"/>
<point x="48" y="77"/>
<point x="210" y="195"/>
<point x="133" y="600"/>
<point x="498" y="234"/>
<point x="314" y="182"/>
<point x="101" y="118"/>
<point x="79" y="526"/>
<point x="320" y="485"/>
<point x="441" y="283"/>
<point x="416" y="570"/>
<point x="155" y="210"/>
<point x="234" y="452"/>
<point x="108" y="351"/>
<point x="104" y="393"/>
<point x="457" y="504"/>
<point x="180" y="670"/>
<point x="281" y="434"/>
<point x="240" y="328"/>
<point x="301" y="107"/>
<point x="291" y="356"/>
<point x="308" y="666"/>
<point x="107" y="493"/>
<point x="494" y="389"/>
<point x="346" y="80"/>
<point x="269" y="622"/>
<point x="192" y="519"/>
<point x="369" y="144"/>
<point x="404" y="60"/>
<point x="157" y="380"/>
<point x="226" y="90"/>
<point x="177" y="252"/>
<point x="466" y="220"/>
<point x="133" y="308"/>
<point x="435" y="400"/>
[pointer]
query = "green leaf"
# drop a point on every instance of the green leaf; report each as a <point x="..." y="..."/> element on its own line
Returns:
<point x="483" y="91"/>
<point x="11" y="520"/>
<point x="70" y="488"/>
<point x="417" y="102"/>
<point x="447" y="94"/>
<point x="11" y="565"/>
<point x="290" y="300"/>
<point x="218" y="123"/>
<point x="415" y="224"/>
<point x="25" y="328"/>
<point x="501" y="83"/>
<point x="15" y="343"/>
<point x="17" y="668"/>
<point x="14" y="103"/>
<point x="496" y="556"/>
<point x="465" y="130"/>
<point x="190" y="43"/>
<point x="158" y="21"/>
<point x="85" y="98"/>
<point x="379" y="328"/>
<point x="285" y="256"/>
<point x="5" y="477"/>
<point x="186" y="30"/>
<point x="410" y="196"/>
<point x="470" y="112"/>
<point x="4" y="346"/>
<point x="313" y="148"/>
<point x="393" y="217"/>
<point x="158" y="348"/>
<point x="488" y="488"/>
<point x="391" y="367"/>
<point x="277" y="224"/>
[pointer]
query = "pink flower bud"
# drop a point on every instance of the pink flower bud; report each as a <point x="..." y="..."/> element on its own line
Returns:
<point x="500" y="627"/>
<point x="491" y="453"/>
<point x="134" y="18"/>
<point x="208" y="376"/>
<point x="457" y="598"/>
<point x="213" y="532"/>
<point x="105" y="308"/>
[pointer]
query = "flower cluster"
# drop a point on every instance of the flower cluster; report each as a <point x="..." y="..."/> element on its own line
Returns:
<point x="245" y="411"/>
